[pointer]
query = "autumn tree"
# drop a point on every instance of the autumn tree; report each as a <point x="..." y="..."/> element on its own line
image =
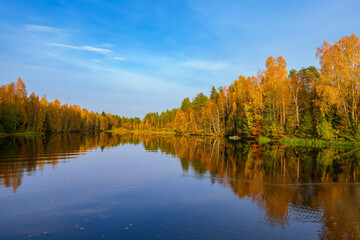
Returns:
<point x="305" y="103"/>
<point x="276" y="93"/>
<point x="20" y="100"/>
<point x="340" y="77"/>
<point x="180" y="123"/>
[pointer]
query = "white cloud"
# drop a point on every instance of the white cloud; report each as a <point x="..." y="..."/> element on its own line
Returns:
<point x="120" y="58"/>
<point x="85" y="48"/>
<point x="205" y="65"/>
<point x="108" y="45"/>
<point x="40" y="28"/>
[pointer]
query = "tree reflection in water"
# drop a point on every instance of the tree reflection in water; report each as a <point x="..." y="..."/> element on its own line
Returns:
<point x="287" y="183"/>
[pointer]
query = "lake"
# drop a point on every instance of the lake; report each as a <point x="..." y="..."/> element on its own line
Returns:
<point x="103" y="186"/>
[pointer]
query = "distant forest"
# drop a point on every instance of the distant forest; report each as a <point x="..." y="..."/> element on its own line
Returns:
<point x="308" y="103"/>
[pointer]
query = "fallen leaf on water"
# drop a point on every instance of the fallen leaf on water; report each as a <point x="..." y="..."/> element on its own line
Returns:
<point x="45" y="232"/>
<point x="81" y="228"/>
<point x="130" y="224"/>
<point x="29" y="235"/>
<point x="126" y="228"/>
<point x="76" y="225"/>
<point x="54" y="201"/>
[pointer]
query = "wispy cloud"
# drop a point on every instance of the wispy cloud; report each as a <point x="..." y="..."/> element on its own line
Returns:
<point x="85" y="48"/>
<point x="108" y="45"/>
<point x="120" y="58"/>
<point x="40" y="28"/>
<point x="205" y="65"/>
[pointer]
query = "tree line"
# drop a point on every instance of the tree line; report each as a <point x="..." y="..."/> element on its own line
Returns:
<point x="309" y="103"/>
<point x="22" y="113"/>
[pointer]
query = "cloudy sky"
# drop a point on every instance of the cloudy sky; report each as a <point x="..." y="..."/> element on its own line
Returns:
<point x="132" y="57"/>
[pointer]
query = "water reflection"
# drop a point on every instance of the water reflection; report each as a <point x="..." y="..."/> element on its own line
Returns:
<point x="286" y="183"/>
<point x="27" y="155"/>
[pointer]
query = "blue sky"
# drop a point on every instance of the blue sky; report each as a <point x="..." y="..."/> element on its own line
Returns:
<point x="132" y="57"/>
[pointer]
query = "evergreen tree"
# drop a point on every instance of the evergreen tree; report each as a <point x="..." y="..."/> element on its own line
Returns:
<point x="9" y="117"/>
<point x="199" y="101"/>
<point x="214" y="95"/>
<point x="185" y="105"/>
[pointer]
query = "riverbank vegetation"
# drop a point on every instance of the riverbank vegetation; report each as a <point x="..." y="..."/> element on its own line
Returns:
<point x="307" y="103"/>
<point x="274" y="104"/>
<point x="140" y="131"/>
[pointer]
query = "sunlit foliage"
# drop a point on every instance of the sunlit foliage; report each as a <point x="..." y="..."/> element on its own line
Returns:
<point x="307" y="103"/>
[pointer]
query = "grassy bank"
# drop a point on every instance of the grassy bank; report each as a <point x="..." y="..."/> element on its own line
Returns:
<point x="263" y="140"/>
<point x="318" y="143"/>
<point x="22" y="134"/>
<point x="304" y="142"/>
<point x="125" y="131"/>
<point x="116" y="131"/>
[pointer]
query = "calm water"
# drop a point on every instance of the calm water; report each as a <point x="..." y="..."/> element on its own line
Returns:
<point x="143" y="187"/>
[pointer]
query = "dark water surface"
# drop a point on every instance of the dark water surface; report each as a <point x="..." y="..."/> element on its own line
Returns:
<point x="153" y="187"/>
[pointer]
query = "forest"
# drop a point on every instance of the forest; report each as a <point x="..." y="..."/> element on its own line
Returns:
<point x="22" y="113"/>
<point x="306" y="103"/>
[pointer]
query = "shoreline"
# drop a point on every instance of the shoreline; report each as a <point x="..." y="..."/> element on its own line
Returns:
<point x="296" y="142"/>
<point x="126" y="131"/>
<point x="22" y="134"/>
